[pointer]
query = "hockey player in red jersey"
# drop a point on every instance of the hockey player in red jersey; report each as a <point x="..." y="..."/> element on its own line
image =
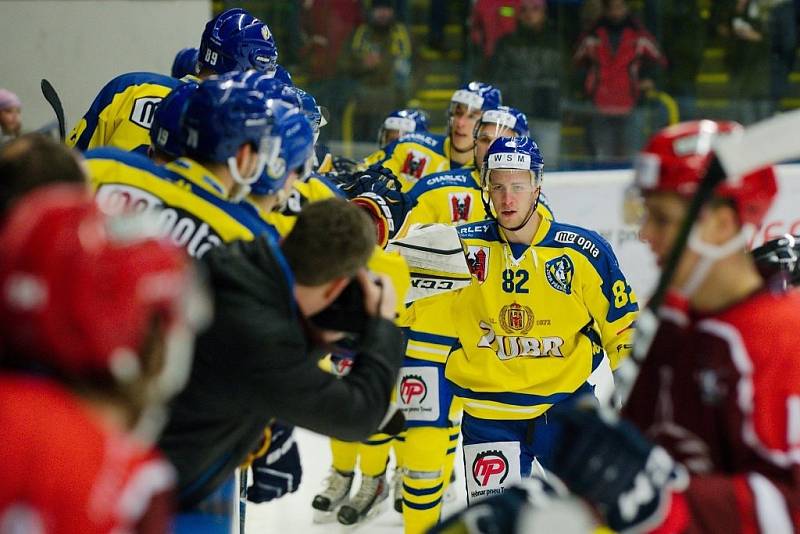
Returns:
<point x="94" y="334"/>
<point x="709" y="439"/>
<point x="719" y="390"/>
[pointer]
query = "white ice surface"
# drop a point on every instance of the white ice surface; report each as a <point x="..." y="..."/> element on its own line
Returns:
<point x="292" y="514"/>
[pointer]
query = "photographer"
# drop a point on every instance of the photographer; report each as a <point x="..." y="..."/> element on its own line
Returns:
<point x="258" y="360"/>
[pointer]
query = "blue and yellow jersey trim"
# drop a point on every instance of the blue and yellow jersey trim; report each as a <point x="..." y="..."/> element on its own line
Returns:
<point x="122" y="112"/>
<point x="188" y="200"/>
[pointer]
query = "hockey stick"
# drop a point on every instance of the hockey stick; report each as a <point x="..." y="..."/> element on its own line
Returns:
<point x="765" y="143"/>
<point x="52" y="98"/>
<point x="243" y="471"/>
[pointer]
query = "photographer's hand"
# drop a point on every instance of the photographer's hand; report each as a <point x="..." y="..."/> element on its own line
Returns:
<point x="379" y="295"/>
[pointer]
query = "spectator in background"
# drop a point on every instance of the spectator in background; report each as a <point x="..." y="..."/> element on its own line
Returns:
<point x="783" y="48"/>
<point x="326" y="26"/>
<point x="378" y="58"/>
<point x="679" y="28"/>
<point x="527" y="67"/>
<point x="619" y="56"/>
<point x="10" y="115"/>
<point x="491" y="20"/>
<point x="747" y="57"/>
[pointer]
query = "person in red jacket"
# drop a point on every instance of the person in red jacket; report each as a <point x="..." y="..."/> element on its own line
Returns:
<point x="619" y="57"/>
<point x="94" y="335"/>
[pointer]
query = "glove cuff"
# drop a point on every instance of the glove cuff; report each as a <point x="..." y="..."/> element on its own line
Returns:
<point x="376" y="214"/>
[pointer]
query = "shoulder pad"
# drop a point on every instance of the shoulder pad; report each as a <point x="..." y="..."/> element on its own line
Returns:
<point x="587" y="242"/>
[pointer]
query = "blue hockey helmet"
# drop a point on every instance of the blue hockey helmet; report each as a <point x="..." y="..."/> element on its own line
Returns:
<point x="273" y="88"/>
<point x="235" y="40"/>
<point x="220" y="117"/>
<point x="315" y="113"/>
<point x="512" y="154"/>
<point x="289" y="146"/>
<point x="504" y="117"/>
<point x="185" y="62"/>
<point x="476" y="95"/>
<point x="165" y="132"/>
<point x="269" y="85"/>
<point x="403" y="121"/>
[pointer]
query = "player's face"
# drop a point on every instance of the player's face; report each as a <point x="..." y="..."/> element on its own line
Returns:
<point x="512" y="194"/>
<point x="486" y="134"/>
<point x="662" y="217"/>
<point x="463" y="125"/>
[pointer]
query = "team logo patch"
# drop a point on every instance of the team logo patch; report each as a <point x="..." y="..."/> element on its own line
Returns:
<point x="478" y="261"/>
<point x="143" y="110"/>
<point x="559" y="272"/>
<point x="414" y="165"/>
<point x="418" y="393"/>
<point x="460" y="205"/>
<point x="516" y="318"/>
<point x="413" y="389"/>
<point x="490" y="467"/>
<point x="265" y="33"/>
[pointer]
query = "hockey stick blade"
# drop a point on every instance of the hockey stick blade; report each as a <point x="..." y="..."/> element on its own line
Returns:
<point x="764" y="143"/>
<point x="51" y="96"/>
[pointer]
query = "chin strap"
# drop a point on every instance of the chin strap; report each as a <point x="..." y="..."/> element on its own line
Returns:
<point x="241" y="186"/>
<point x="709" y="255"/>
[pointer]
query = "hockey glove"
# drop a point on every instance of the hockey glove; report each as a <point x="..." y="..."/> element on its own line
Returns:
<point x="278" y="472"/>
<point x="366" y="180"/>
<point x="609" y="463"/>
<point x="388" y="208"/>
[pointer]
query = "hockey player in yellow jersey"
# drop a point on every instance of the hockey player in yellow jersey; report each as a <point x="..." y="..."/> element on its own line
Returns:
<point x="226" y="132"/>
<point x="122" y="112"/>
<point x="547" y="302"/>
<point x="418" y="154"/>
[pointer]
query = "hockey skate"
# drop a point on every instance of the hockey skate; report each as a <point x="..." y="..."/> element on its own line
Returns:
<point x="397" y="489"/>
<point x="335" y="493"/>
<point x="366" y="503"/>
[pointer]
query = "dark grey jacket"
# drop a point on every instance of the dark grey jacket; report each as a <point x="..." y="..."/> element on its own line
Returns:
<point x="254" y="363"/>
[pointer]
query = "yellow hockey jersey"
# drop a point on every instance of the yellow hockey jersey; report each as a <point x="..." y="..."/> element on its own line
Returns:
<point x="122" y="112"/>
<point x="452" y="197"/>
<point x="191" y="204"/>
<point x="536" y="318"/>
<point x="415" y="155"/>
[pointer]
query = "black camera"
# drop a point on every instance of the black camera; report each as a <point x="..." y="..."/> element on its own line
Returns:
<point x="346" y="313"/>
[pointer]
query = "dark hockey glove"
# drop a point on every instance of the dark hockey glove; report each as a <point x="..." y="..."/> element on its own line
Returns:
<point x="277" y="472"/>
<point x="366" y="180"/>
<point x="343" y="166"/>
<point x="610" y="464"/>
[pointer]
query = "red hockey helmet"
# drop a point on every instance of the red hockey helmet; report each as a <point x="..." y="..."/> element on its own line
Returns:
<point x="676" y="159"/>
<point x="78" y="291"/>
